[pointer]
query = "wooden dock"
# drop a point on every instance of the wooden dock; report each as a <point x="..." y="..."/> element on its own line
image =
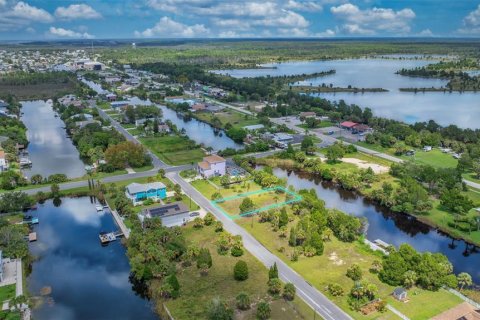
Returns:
<point x="32" y="236"/>
<point x="120" y="223"/>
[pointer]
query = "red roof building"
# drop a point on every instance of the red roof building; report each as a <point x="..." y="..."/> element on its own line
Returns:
<point x="348" y="124"/>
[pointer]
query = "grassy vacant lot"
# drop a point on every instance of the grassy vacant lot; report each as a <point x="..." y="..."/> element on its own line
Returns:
<point x="235" y="118"/>
<point x="197" y="291"/>
<point x="422" y="306"/>
<point x="208" y="188"/>
<point x="331" y="267"/>
<point x="38" y="91"/>
<point x="323" y="124"/>
<point x="260" y="200"/>
<point x="173" y="150"/>
<point x="9" y="315"/>
<point x="434" y="158"/>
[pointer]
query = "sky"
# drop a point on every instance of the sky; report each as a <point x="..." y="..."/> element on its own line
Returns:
<point x="125" y="19"/>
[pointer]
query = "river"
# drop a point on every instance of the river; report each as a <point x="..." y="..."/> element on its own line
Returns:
<point x="461" y="109"/>
<point x="50" y="150"/>
<point x="87" y="281"/>
<point x="393" y="228"/>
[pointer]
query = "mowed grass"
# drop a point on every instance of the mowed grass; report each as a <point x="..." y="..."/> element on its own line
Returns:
<point x="435" y="158"/>
<point x="235" y="118"/>
<point x="332" y="266"/>
<point x="7" y="292"/>
<point x="197" y="291"/>
<point x="425" y="304"/>
<point x="260" y="200"/>
<point x="174" y="150"/>
<point x="207" y="188"/>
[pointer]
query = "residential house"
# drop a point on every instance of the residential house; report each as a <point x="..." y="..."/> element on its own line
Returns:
<point x="3" y="161"/>
<point x="427" y="148"/>
<point x="163" y="127"/>
<point x="111" y="97"/>
<point x="172" y="214"/>
<point x="3" y="107"/>
<point x="213" y="165"/>
<point x="254" y="127"/>
<point x="119" y="104"/>
<point x="400" y="294"/>
<point x="139" y="192"/>
<point x="198" y="107"/>
<point x="82" y="124"/>
<point x="361" y="128"/>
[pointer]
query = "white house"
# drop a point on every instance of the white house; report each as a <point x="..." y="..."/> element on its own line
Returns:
<point x="212" y="165"/>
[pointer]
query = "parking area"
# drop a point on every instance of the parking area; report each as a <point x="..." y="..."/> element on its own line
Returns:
<point x="343" y="134"/>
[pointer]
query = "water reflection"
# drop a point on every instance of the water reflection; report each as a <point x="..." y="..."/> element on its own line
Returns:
<point x="87" y="281"/>
<point x="390" y="227"/>
<point x="49" y="149"/>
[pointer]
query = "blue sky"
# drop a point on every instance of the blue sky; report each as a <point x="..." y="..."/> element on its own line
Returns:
<point x="66" y="19"/>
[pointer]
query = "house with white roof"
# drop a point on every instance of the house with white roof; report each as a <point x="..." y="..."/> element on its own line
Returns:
<point x="138" y="192"/>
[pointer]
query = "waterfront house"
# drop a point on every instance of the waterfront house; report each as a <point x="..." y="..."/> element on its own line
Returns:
<point x="119" y="104"/>
<point x="212" y="165"/>
<point x="254" y="127"/>
<point x="139" y="192"/>
<point x="307" y="114"/>
<point x="198" y="107"/>
<point x="360" y="128"/>
<point x="172" y="214"/>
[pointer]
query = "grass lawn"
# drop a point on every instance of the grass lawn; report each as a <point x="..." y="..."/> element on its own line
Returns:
<point x="7" y="292"/>
<point x="9" y="315"/>
<point x="208" y="189"/>
<point x="143" y="169"/>
<point x="323" y="124"/>
<point x="270" y="198"/>
<point x="174" y="150"/>
<point x="197" y="291"/>
<point x="420" y="306"/>
<point x="435" y="158"/>
<point x="369" y="158"/>
<point x="233" y="117"/>
<point x="128" y="125"/>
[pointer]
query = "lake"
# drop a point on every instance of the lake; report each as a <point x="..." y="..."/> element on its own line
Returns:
<point x="50" y="150"/>
<point x="87" y="281"/>
<point x="461" y="109"/>
<point x="393" y="228"/>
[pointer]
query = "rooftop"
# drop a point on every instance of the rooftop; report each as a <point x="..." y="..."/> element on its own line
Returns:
<point x="167" y="210"/>
<point x="214" y="159"/>
<point x="134" y="187"/>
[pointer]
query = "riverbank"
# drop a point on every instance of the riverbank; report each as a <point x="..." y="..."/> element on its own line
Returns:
<point x="323" y="89"/>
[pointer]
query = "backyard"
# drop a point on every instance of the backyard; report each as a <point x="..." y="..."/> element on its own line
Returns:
<point x="174" y="150"/>
<point x="235" y="118"/>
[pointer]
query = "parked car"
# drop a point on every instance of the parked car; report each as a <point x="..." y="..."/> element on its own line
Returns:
<point x="194" y="214"/>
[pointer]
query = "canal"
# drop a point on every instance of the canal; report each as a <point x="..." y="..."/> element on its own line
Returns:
<point x="393" y="228"/>
<point x="73" y="276"/>
<point x="50" y="150"/>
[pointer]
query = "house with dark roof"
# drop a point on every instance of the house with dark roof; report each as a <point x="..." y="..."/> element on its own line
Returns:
<point x="138" y="192"/>
<point x="400" y="293"/>
<point x="172" y="214"/>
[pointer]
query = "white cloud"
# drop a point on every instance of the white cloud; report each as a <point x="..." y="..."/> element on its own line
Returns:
<point x="168" y="28"/>
<point x="303" y="6"/>
<point x="373" y="21"/>
<point x="326" y="33"/>
<point x="14" y="16"/>
<point x="244" y="17"/>
<point x="471" y="23"/>
<point x="3" y="3"/>
<point x="426" y="33"/>
<point x="31" y="30"/>
<point x="77" y="11"/>
<point x="66" y="33"/>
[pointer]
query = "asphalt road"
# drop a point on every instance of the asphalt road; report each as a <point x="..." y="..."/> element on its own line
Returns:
<point x="314" y="298"/>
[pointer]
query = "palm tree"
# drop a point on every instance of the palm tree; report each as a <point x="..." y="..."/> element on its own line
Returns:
<point x="410" y="278"/>
<point x="464" y="279"/>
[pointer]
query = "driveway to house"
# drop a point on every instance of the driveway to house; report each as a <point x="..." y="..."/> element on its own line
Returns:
<point x="314" y="298"/>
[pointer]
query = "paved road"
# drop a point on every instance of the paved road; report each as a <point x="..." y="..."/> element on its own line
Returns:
<point x="157" y="163"/>
<point x="122" y="177"/>
<point x="323" y="306"/>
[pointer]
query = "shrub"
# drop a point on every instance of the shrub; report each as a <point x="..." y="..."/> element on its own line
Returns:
<point x="57" y="178"/>
<point x="218" y="226"/>
<point x="198" y="223"/>
<point x="236" y="251"/>
<point x="173" y="282"/>
<point x="204" y="258"/>
<point x="354" y="272"/>
<point x="218" y="310"/>
<point x="148" y="202"/>
<point x="263" y="310"/>
<point x="240" y="271"/>
<point x="289" y="291"/>
<point x="274" y="286"/>
<point x="208" y="219"/>
<point x="273" y="271"/>
<point x="335" y="289"/>
<point x="243" y="301"/>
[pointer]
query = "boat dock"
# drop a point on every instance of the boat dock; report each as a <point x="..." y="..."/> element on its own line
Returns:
<point x="32" y="236"/>
<point x="120" y="223"/>
<point x="107" y="237"/>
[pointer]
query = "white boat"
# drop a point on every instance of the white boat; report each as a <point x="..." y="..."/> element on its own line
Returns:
<point x="99" y="207"/>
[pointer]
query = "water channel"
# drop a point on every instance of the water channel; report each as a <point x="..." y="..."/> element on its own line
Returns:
<point x="393" y="228"/>
<point x="461" y="109"/>
<point x="87" y="281"/>
<point x="50" y="150"/>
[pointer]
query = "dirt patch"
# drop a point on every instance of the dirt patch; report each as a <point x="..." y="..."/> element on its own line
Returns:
<point x="335" y="259"/>
<point x="365" y="165"/>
